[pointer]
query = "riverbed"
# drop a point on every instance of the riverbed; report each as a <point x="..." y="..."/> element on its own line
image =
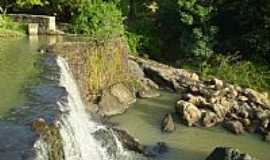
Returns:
<point x="186" y="143"/>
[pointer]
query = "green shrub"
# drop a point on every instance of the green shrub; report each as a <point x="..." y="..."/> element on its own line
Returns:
<point x="10" y="28"/>
<point x="101" y="20"/>
<point x="244" y="73"/>
<point x="134" y="42"/>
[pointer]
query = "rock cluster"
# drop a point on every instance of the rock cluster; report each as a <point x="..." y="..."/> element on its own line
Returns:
<point x="208" y="103"/>
<point x="227" y="153"/>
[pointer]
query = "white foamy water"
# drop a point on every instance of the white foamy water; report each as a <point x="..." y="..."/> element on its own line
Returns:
<point x="76" y="126"/>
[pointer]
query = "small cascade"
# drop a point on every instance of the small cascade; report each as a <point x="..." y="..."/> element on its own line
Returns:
<point x="76" y="127"/>
<point x="82" y="138"/>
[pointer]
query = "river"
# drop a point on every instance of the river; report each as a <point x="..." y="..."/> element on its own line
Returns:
<point x="186" y="143"/>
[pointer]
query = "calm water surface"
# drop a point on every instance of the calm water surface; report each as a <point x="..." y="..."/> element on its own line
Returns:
<point x="17" y="69"/>
<point x="186" y="143"/>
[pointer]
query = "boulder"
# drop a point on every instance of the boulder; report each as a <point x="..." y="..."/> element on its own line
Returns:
<point x="167" y="124"/>
<point x="188" y="112"/>
<point x="147" y="88"/>
<point x="209" y="119"/>
<point x="227" y="153"/>
<point x="123" y="94"/>
<point x="166" y="76"/>
<point x="234" y="126"/>
<point x="135" y="69"/>
<point x="116" y="100"/>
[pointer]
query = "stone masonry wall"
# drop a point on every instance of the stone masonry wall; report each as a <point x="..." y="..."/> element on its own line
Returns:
<point x="46" y="23"/>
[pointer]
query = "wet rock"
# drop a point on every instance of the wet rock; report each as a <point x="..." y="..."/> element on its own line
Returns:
<point x="154" y="151"/>
<point x="209" y="119"/>
<point x="167" y="124"/>
<point x="234" y="126"/>
<point x="188" y="112"/>
<point x="128" y="141"/>
<point x="227" y="153"/>
<point x="116" y="100"/>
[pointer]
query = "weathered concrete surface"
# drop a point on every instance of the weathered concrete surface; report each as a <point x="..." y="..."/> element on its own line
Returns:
<point x="46" y="24"/>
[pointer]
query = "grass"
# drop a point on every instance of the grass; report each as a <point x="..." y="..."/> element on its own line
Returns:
<point x="236" y="71"/>
<point x="106" y="67"/>
<point x="9" y="28"/>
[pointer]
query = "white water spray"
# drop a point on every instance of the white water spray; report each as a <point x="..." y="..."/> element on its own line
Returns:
<point x="76" y="126"/>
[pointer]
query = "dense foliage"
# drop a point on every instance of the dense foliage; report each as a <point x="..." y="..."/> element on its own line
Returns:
<point x="190" y="33"/>
<point x="102" y="20"/>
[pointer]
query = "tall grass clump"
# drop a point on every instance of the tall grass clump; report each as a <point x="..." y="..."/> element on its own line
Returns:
<point x="105" y="67"/>
<point x="241" y="72"/>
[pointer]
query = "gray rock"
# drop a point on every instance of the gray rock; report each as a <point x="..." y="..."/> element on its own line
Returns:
<point x="128" y="141"/>
<point x="234" y="126"/>
<point x="167" y="124"/>
<point x="147" y="88"/>
<point x="135" y="69"/>
<point x="116" y="100"/>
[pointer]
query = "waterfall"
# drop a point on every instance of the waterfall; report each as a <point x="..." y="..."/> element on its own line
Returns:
<point x="82" y="137"/>
<point x="76" y="127"/>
